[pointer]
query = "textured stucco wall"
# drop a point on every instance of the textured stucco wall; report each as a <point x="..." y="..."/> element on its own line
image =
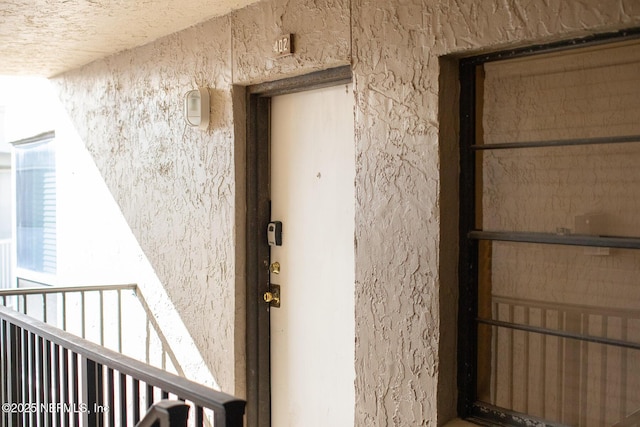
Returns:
<point x="400" y="272"/>
<point x="182" y="190"/>
<point x="321" y="38"/>
<point x="176" y="186"/>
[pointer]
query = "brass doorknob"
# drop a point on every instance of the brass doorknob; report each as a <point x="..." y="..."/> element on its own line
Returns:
<point x="275" y="267"/>
<point x="270" y="297"/>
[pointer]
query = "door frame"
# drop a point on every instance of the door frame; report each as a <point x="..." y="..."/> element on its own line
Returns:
<point x="258" y="215"/>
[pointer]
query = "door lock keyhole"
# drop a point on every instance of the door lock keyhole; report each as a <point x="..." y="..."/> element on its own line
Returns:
<point x="272" y="297"/>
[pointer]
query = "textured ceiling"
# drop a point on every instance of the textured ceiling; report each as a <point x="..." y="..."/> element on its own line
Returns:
<point x="47" y="37"/>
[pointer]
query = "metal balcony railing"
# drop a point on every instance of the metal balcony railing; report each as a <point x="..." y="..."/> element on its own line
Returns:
<point x="632" y="420"/>
<point x="98" y="313"/>
<point x="166" y="413"/>
<point x="573" y="363"/>
<point x="53" y="378"/>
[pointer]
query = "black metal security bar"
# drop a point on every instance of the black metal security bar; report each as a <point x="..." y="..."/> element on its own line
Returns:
<point x="561" y="334"/>
<point x="625" y="139"/>
<point x="557" y="239"/>
<point x="49" y="377"/>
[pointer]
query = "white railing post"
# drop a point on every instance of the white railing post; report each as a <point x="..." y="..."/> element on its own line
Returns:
<point x="5" y="264"/>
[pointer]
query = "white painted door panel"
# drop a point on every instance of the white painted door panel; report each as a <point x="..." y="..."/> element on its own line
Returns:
<point x="312" y="193"/>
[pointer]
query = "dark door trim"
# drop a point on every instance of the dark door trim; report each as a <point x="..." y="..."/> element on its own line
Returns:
<point x="258" y="216"/>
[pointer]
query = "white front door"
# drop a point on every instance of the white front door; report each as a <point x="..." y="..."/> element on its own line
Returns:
<point x="312" y="194"/>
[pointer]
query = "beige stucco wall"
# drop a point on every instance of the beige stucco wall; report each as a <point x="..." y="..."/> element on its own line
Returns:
<point x="177" y="186"/>
<point x="401" y="360"/>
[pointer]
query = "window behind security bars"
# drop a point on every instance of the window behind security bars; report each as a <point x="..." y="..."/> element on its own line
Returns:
<point x="555" y="236"/>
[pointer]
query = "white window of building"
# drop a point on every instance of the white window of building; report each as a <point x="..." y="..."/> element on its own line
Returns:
<point x="36" y="235"/>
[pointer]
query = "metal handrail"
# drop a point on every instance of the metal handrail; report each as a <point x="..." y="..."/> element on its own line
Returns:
<point x="36" y="290"/>
<point x="631" y="420"/>
<point x="228" y="410"/>
<point x="574" y="327"/>
<point x="580" y="309"/>
<point x="43" y="289"/>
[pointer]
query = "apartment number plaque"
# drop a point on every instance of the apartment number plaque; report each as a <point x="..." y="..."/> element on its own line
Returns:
<point x="283" y="46"/>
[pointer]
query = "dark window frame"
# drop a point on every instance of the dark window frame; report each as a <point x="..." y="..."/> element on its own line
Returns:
<point x="468" y="405"/>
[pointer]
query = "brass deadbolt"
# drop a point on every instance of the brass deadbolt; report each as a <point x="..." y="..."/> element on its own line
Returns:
<point x="272" y="297"/>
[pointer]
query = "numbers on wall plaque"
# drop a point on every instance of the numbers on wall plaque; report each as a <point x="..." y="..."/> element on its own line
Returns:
<point x="282" y="46"/>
